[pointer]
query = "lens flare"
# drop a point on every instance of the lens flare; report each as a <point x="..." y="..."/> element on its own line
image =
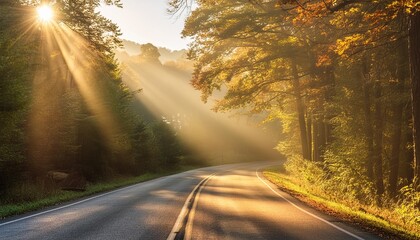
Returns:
<point x="45" y="13"/>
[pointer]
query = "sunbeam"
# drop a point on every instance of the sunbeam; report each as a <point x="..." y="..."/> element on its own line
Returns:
<point x="82" y="70"/>
<point x="216" y="136"/>
<point x="68" y="68"/>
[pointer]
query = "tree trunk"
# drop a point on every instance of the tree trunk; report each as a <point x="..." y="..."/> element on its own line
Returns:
<point x="329" y="97"/>
<point x="397" y="118"/>
<point x="368" y="120"/>
<point x="301" y="112"/>
<point x="309" y="134"/>
<point x="408" y="153"/>
<point x="394" y="164"/>
<point x="414" y="53"/>
<point x="319" y="140"/>
<point x="322" y="139"/>
<point x="315" y="150"/>
<point x="323" y="119"/>
<point x="377" y="147"/>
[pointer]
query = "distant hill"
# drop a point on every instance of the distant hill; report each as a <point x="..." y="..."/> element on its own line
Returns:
<point x="166" y="55"/>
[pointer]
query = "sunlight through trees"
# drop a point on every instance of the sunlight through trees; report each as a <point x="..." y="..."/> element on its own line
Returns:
<point x="337" y="76"/>
<point x="64" y="108"/>
<point x="331" y="85"/>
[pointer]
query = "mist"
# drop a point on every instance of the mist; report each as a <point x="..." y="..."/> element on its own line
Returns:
<point x="167" y="95"/>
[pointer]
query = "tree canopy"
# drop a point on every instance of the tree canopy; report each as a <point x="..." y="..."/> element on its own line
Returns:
<point x="335" y="73"/>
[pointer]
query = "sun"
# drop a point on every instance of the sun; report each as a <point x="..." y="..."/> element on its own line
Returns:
<point x="45" y="13"/>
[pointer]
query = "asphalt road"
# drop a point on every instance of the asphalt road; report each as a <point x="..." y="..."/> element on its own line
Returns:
<point x="224" y="202"/>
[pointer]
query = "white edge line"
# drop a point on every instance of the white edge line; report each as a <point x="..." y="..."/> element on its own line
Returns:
<point x="178" y="224"/>
<point x="71" y="204"/>
<point x="303" y="210"/>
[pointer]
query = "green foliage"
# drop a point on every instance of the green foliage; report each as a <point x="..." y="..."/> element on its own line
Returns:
<point x="166" y="147"/>
<point x="242" y="49"/>
<point x="75" y="115"/>
<point x="334" y="73"/>
<point x="310" y="173"/>
<point x="81" y="17"/>
<point x="141" y="147"/>
<point x="409" y="206"/>
<point x="15" y="93"/>
<point x="396" y="220"/>
<point x="345" y="156"/>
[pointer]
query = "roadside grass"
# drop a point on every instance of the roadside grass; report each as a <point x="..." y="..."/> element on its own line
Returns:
<point x="32" y="197"/>
<point x="383" y="221"/>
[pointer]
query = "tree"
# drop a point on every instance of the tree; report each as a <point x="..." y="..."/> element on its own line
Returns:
<point x="240" y="55"/>
<point x="361" y="26"/>
<point x="141" y="147"/>
<point x="414" y="53"/>
<point x="384" y="22"/>
<point x="298" y="51"/>
<point x="166" y="147"/>
<point x="16" y="67"/>
<point x="149" y="53"/>
<point x="81" y="17"/>
<point x="87" y="127"/>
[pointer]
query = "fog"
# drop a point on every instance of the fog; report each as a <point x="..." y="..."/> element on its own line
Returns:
<point x="166" y="95"/>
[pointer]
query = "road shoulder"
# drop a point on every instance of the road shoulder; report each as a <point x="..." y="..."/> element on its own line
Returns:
<point x="355" y="217"/>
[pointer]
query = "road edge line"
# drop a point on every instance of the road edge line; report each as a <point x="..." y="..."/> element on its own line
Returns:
<point x="70" y="204"/>
<point x="304" y="211"/>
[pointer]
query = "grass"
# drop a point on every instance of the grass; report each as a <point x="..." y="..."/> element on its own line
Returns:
<point x="364" y="216"/>
<point x="38" y="200"/>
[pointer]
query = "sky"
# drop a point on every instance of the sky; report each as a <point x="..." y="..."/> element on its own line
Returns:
<point x="147" y="21"/>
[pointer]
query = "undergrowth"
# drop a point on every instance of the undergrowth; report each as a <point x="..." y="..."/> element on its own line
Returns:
<point x="303" y="178"/>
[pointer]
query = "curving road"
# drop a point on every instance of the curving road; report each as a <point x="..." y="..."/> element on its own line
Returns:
<point x="223" y="202"/>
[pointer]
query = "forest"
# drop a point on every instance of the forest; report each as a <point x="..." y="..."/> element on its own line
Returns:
<point x="336" y="81"/>
<point x="342" y="77"/>
<point x="64" y="109"/>
<point x="79" y="105"/>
